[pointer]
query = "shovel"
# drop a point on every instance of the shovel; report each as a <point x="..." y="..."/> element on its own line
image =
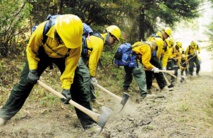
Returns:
<point x="123" y="99"/>
<point x="101" y="119"/>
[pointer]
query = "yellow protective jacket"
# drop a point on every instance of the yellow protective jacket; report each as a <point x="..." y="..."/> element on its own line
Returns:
<point x="159" y="34"/>
<point x="176" y="55"/>
<point x="191" y="51"/>
<point x="166" y="54"/>
<point x="97" y="45"/>
<point x="145" y="51"/>
<point x="56" y="51"/>
<point x="159" y="50"/>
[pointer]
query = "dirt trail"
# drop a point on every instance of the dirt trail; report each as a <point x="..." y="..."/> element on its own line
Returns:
<point x="185" y="112"/>
<point x="180" y="113"/>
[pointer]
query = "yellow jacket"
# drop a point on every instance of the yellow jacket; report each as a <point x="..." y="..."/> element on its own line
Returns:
<point x="166" y="55"/>
<point x="192" y="51"/>
<point x="159" y="50"/>
<point x="56" y="51"/>
<point x="97" y="45"/>
<point x="159" y="34"/>
<point x="144" y="50"/>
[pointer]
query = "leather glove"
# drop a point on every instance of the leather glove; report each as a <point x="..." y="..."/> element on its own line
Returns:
<point x="155" y="70"/>
<point x="32" y="76"/>
<point x="93" y="80"/>
<point x="67" y="94"/>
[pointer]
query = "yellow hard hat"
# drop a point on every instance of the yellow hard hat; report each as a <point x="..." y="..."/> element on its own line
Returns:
<point x="168" y="31"/>
<point x="179" y="44"/>
<point x="193" y="44"/>
<point x="115" y="31"/>
<point x="159" y="42"/>
<point x="70" y="29"/>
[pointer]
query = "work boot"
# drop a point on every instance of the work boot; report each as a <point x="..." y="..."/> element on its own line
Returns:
<point x="171" y="86"/>
<point x="182" y="79"/>
<point x="149" y="91"/>
<point x="165" y="89"/>
<point x="2" y="121"/>
<point x="126" y="90"/>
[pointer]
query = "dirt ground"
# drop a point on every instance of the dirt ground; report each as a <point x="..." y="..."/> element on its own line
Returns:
<point x="185" y="112"/>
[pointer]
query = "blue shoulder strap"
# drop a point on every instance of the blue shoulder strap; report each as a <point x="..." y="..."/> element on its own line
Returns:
<point x="47" y="27"/>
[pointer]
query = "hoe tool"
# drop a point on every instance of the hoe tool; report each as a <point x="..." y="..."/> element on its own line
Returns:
<point x="101" y="119"/>
<point x="123" y="99"/>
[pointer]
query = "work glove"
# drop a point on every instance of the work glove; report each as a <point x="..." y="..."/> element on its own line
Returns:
<point x="67" y="94"/>
<point x="93" y="80"/>
<point x="32" y="76"/>
<point x="156" y="70"/>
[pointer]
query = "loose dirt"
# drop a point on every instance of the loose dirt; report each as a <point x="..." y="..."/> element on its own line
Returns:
<point x="185" y="112"/>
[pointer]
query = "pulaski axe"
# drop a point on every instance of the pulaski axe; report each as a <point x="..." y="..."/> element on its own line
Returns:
<point x="123" y="99"/>
<point x="101" y="119"/>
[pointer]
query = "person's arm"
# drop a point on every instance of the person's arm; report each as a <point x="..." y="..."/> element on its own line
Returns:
<point x="146" y="57"/>
<point x="71" y="63"/>
<point x="33" y="46"/>
<point x="97" y="46"/>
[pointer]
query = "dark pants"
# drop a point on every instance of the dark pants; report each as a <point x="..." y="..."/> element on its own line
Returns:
<point x="92" y="88"/>
<point x="183" y="63"/>
<point x="150" y="75"/>
<point x="140" y="78"/>
<point x="192" y="62"/>
<point x="79" y="89"/>
<point x="173" y="65"/>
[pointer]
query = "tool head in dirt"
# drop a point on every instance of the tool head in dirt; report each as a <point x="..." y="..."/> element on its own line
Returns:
<point x="124" y="100"/>
<point x="104" y="117"/>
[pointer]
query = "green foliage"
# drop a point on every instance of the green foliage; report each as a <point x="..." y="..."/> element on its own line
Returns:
<point x="210" y="35"/>
<point x="12" y="22"/>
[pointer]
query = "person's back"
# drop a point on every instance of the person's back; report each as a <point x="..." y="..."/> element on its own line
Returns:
<point x="96" y="45"/>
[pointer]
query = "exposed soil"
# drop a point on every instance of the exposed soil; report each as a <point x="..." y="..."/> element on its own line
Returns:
<point x="185" y="112"/>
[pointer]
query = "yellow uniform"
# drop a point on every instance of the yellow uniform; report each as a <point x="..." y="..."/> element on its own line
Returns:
<point x="53" y="50"/>
<point x="145" y="51"/>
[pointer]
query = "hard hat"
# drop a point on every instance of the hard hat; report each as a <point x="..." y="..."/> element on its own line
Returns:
<point x="159" y="42"/>
<point x="179" y="44"/>
<point x="70" y="29"/>
<point x="193" y="44"/>
<point x="168" y="31"/>
<point x="115" y="31"/>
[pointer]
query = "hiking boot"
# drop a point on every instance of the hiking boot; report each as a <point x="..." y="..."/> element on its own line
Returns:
<point x="149" y="91"/>
<point x="182" y="79"/>
<point x="126" y="90"/>
<point x="165" y="89"/>
<point x="2" y="121"/>
<point x="148" y="96"/>
<point x="171" y="86"/>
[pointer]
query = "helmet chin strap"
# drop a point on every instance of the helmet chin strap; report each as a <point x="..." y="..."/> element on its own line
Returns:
<point x="108" y="39"/>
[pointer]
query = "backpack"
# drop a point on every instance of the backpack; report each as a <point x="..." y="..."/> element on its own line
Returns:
<point x="125" y="56"/>
<point x="51" y="21"/>
<point x="87" y="33"/>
